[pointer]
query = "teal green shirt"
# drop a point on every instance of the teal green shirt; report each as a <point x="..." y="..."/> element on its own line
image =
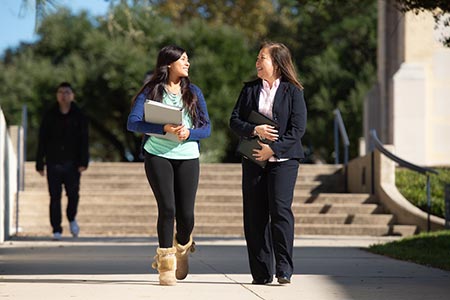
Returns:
<point x="170" y="149"/>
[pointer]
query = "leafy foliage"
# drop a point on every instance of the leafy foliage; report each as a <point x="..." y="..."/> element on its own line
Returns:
<point x="42" y="9"/>
<point x="412" y="185"/>
<point x="333" y="44"/>
<point x="106" y="61"/>
<point x="250" y="17"/>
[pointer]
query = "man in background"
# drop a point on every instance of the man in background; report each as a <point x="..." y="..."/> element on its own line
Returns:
<point x="63" y="148"/>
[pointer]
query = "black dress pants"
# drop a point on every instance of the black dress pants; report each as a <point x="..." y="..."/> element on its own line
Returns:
<point x="268" y="218"/>
<point x="66" y="174"/>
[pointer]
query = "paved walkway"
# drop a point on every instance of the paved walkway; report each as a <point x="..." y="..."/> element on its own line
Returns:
<point x="326" y="268"/>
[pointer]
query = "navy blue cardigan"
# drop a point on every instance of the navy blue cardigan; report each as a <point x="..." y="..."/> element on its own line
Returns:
<point x="136" y="121"/>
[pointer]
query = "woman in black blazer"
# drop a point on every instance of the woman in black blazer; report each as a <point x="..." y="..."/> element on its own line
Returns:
<point x="268" y="192"/>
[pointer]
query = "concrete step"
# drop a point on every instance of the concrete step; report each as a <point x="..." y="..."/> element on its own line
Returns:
<point x="94" y="184"/>
<point x="116" y="200"/>
<point x="354" y="229"/>
<point x="124" y="167"/>
<point x="208" y="174"/>
<point x="209" y="207"/>
<point x="98" y="197"/>
<point x="226" y="229"/>
<point x="204" y="217"/>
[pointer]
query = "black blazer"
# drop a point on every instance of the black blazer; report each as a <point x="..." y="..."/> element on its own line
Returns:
<point x="289" y="111"/>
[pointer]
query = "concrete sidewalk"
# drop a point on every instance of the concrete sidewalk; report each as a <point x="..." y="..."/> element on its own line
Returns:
<point x="326" y="268"/>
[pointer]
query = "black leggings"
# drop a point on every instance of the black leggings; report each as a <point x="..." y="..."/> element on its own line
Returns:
<point x="174" y="183"/>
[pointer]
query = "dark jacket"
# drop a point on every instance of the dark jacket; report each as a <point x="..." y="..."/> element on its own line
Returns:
<point x="63" y="138"/>
<point x="289" y="112"/>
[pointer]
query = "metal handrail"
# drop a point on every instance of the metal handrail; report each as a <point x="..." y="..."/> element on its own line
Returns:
<point x="422" y="170"/>
<point x="339" y="127"/>
<point x="21" y="158"/>
<point x="24" y="145"/>
<point x="401" y="162"/>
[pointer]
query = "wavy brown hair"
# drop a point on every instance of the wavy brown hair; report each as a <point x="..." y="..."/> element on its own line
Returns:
<point x="282" y="60"/>
<point x="154" y="88"/>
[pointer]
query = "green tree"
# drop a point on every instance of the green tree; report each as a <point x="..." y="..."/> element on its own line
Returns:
<point x="106" y="61"/>
<point x="42" y="8"/>
<point x="334" y="46"/>
<point x="251" y="17"/>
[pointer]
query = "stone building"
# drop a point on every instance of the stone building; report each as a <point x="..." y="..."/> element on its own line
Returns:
<point x="409" y="107"/>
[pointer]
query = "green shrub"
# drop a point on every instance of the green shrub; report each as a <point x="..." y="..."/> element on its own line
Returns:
<point x="412" y="185"/>
<point x="430" y="249"/>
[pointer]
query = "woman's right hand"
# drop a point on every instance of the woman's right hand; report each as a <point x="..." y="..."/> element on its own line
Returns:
<point x="266" y="132"/>
<point x="172" y="128"/>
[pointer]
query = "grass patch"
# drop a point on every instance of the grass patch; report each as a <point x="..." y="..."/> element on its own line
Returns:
<point x="429" y="249"/>
<point x="412" y="186"/>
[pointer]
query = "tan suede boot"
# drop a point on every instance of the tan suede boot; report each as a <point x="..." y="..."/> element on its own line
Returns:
<point x="182" y="257"/>
<point x="166" y="264"/>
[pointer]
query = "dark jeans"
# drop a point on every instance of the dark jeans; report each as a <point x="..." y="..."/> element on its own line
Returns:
<point x="268" y="217"/>
<point x="174" y="184"/>
<point x="58" y="174"/>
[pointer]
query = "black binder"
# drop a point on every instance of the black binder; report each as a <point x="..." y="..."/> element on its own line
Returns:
<point x="248" y="144"/>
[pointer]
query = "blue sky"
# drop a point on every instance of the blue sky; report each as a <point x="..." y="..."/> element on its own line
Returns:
<point x="15" y="29"/>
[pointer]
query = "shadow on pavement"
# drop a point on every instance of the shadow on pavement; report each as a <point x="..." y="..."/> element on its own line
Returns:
<point x="325" y="272"/>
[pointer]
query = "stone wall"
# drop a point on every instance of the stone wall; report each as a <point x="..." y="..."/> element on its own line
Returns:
<point x="8" y="180"/>
<point x="409" y="106"/>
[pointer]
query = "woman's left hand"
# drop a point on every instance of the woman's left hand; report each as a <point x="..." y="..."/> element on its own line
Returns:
<point x="263" y="154"/>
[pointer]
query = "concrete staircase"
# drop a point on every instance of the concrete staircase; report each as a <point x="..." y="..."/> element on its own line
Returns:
<point x="116" y="200"/>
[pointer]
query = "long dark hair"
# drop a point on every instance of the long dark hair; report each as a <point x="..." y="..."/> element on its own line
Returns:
<point x="282" y="59"/>
<point x="154" y="88"/>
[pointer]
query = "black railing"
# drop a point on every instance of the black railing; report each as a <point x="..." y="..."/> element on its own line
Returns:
<point x="21" y="158"/>
<point x="339" y="128"/>
<point x="403" y="163"/>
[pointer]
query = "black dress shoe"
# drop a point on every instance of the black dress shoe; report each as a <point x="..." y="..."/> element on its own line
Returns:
<point x="262" y="281"/>
<point x="283" y="278"/>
